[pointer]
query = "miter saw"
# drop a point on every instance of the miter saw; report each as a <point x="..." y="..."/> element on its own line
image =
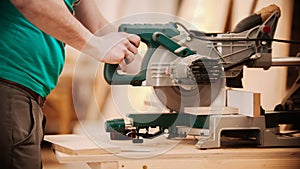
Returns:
<point x="189" y="68"/>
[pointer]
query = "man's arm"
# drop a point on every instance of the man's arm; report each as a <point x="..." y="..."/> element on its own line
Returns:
<point x="55" y="19"/>
<point x="89" y="15"/>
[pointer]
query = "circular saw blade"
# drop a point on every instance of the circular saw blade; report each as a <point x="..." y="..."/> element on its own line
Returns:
<point x="177" y="97"/>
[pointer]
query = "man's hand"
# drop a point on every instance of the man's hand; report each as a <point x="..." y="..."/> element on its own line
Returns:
<point x="113" y="48"/>
<point x="120" y="46"/>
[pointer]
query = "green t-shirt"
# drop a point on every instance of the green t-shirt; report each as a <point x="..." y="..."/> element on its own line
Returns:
<point x="28" y="56"/>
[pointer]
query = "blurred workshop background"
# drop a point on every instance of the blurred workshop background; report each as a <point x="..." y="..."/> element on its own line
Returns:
<point x="205" y="15"/>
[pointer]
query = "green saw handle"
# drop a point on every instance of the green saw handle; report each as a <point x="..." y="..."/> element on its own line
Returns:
<point x="145" y="32"/>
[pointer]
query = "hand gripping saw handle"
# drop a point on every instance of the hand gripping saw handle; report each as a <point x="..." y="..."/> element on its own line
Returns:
<point x="153" y="35"/>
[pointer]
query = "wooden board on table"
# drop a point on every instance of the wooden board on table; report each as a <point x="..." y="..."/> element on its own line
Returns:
<point x="186" y="155"/>
<point x="247" y="102"/>
<point x="211" y="110"/>
<point x="79" y="144"/>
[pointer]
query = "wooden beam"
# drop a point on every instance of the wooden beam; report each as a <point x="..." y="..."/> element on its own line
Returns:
<point x="247" y="102"/>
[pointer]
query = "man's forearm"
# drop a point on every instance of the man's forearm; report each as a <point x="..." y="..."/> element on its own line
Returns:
<point x="54" y="18"/>
<point x="89" y="15"/>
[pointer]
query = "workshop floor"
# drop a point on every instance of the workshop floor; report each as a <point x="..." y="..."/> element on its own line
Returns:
<point x="50" y="161"/>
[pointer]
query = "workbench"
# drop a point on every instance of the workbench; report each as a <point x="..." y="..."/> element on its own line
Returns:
<point x="183" y="155"/>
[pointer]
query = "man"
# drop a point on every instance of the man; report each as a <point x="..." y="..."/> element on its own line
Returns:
<point x="32" y="38"/>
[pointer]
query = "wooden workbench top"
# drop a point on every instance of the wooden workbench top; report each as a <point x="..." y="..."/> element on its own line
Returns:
<point x="182" y="154"/>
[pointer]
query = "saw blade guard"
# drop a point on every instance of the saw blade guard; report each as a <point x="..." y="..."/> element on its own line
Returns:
<point x="199" y="82"/>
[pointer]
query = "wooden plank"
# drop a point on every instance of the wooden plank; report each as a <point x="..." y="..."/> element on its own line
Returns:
<point x="247" y="102"/>
<point x="248" y="158"/>
<point x="211" y="110"/>
<point x="186" y="150"/>
<point x="79" y="144"/>
<point x="182" y="155"/>
<point x="209" y="163"/>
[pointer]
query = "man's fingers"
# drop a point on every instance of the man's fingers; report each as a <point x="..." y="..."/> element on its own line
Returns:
<point x="123" y="66"/>
<point x="123" y="48"/>
<point x="129" y="58"/>
<point x="132" y="48"/>
<point x="134" y="39"/>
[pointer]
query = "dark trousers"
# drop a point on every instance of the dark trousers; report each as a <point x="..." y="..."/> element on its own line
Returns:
<point x="21" y="129"/>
